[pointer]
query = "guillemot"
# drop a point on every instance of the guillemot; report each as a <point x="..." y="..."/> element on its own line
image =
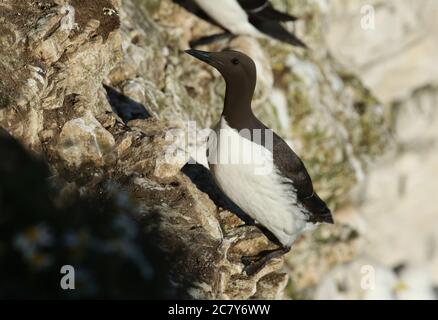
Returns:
<point x="256" y="18"/>
<point x="281" y="199"/>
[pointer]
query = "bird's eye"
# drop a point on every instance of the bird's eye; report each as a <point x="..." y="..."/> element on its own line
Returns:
<point x="235" y="61"/>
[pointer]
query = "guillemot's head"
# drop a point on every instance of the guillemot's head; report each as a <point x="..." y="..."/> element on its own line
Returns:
<point x="234" y="66"/>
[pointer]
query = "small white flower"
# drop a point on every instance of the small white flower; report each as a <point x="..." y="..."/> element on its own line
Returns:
<point x="33" y="238"/>
<point x="126" y="226"/>
<point x="109" y="12"/>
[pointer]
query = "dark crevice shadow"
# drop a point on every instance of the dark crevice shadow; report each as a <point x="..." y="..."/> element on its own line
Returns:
<point x="126" y="108"/>
<point x="204" y="181"/>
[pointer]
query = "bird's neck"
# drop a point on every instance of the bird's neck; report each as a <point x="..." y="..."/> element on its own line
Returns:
<point x="238" y="99"/>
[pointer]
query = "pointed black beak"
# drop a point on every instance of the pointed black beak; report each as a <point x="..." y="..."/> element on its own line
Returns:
<point x="201" y="55"/>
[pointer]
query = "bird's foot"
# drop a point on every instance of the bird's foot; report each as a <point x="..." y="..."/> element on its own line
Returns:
<point x="248" y="260"/>
<point x="253" y="268"/>
<point x="253" y="264"/>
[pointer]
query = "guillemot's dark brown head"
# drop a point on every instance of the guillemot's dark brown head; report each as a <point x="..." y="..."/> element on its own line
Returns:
<point x="236" y="67"/>
<point x="239" y="72"/>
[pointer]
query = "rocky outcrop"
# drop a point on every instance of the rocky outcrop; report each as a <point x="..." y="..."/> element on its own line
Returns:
<point x="95" y="88"/>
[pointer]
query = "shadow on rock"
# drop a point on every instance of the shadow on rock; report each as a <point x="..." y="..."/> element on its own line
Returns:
<point x="125" y="107"/>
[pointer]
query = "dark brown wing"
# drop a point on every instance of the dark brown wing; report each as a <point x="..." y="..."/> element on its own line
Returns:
<point x="192" y="7"/>
<point x="252" y="4"/>
<point x="265" y="10"/>
<point x="265" y="18"/>
<point x="291" y="167"/>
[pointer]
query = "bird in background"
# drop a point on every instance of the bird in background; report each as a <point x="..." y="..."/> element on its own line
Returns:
<point x="257" y="18"/>
<point x="282" y="199"/>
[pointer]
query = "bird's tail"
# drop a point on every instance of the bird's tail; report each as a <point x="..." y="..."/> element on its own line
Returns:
<point x="319" y="212"/>
<point x="275" y="30"/>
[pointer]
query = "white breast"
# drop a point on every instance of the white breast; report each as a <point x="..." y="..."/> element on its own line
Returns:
<point x="230" y="15"/>
<point x="246" y="174"/>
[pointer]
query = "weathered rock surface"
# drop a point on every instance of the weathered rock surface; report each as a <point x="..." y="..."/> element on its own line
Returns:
<point x="393" y="53"/>
<point x="67" y="66"/>
<point x="398" y="221"/>
<point x="393" y="207"/>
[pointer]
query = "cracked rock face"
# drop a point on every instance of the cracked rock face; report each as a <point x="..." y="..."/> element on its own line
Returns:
<point x="83" y="140"/>
<point x="93" y="87"/>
